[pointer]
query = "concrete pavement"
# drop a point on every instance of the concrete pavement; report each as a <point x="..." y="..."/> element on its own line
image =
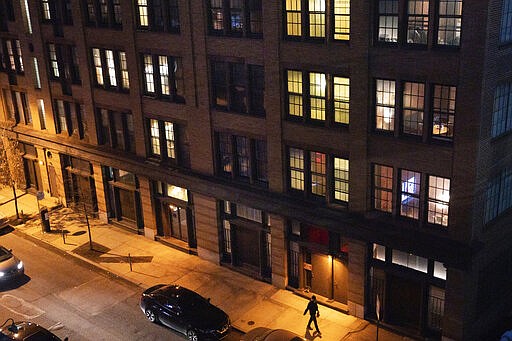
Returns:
<point x="249" y="303"/>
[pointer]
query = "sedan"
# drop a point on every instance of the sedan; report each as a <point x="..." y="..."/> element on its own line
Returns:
<point x="27" y="331"/>
<point x="185" y="311"/>
<point x="10" y="266"/>
<point x="267" y="334"/>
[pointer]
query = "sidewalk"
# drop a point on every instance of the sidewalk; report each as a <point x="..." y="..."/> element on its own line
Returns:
<point x="249" y="303"/>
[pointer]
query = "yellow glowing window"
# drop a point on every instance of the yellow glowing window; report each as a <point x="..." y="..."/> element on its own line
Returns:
<point x="341" y="179"/>
<point x="143" y="13"/>
<point x="293" y="18"/>
<point x="295" y="93"/>
<point x="341" y="19"/>
<point x="316" y="18"/>
<point x="341" y="99"/>
<point x="317" y="85"/>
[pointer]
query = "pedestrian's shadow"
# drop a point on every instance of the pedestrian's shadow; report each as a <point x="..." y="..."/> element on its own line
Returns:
<point x="312" y="335"/>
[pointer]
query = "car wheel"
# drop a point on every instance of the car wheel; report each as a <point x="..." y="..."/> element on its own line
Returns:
<point x="192" y="335"/>
<point x="151" y="315"/>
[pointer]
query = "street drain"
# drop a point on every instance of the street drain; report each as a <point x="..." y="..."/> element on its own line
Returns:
<point x="251" y="323"/>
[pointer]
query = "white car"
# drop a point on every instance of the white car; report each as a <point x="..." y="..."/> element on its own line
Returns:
<point x="10" y="266"/>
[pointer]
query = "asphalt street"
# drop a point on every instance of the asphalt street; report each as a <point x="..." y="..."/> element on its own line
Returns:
<point x="74" y="298"/>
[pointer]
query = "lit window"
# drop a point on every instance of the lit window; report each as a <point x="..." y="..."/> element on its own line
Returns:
<point x="385" y="106"/>
<point x="169" y="140"/>
<point x="226" y="154"/>
<point x="26" y="15"/>
<point x="341" y="19"/>
<point x="61" y="117"/>
<point x="316" y="10"/>
<point x="317" y="87"/>
<point x="413" y="104"/>
<point x="148" y="73"/>
<point x="46" y="10"/>
<point x="217" y="15"/>
<point x="439" y="270"/>
<point x="143" y="12"/>
<point x="443" y="115"/>
<point x="438" y="200"/>
<point x="318" y="173"/>
<point x="125" y="80"/>
<point x="97" y="65"/>
<point x="506" y="22"/>
<point x="341" y="180"/>
<point x="409" y="260"/>
<point x="293" y="18"/>
<point x="296" y="168"/>
<point x="242" y="156"/>
<point x="111" y="67"/>
<point x="164" y="74"/>
<point x="450" y="22"/>
<point x="410" y="194"/>
<point x="18" y="53"/>
<point x="341" y="100"/>
<point x="295" y="105"/>
<point x="388" y="21"/>
<point x="10" y="53"/>
<point x="417" y="21"/>
<point x="42" y="113"/>
<point x="155" y="137"/>
<point x="37" y="77"/>
<point x="379" y="252"/>
<point x="383" y="188"/>
<point x="54" y="64"/>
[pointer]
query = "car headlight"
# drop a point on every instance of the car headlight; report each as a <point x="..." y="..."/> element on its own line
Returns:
<point x="2" y="274"/>
<point x="20" y="265"/>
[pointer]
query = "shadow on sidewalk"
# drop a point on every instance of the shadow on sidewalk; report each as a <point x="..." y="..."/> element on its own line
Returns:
<point x="103" y="254"/>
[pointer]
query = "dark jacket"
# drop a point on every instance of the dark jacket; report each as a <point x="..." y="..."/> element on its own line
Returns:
<point x="312" y="307"/>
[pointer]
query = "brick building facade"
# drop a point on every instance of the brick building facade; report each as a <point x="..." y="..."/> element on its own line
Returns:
<point x="353" y="149"/>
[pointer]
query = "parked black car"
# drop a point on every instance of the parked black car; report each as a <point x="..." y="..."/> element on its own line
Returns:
<point x="27" y="331"/>
<point x="185" y="311"/>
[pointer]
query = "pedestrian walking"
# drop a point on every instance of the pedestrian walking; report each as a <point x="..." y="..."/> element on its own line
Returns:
<point x="313" y="313"/>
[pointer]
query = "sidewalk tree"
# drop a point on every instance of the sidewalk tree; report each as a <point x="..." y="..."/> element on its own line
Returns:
<point x="11" y="162"/>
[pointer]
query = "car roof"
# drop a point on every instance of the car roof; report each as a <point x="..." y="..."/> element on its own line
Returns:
<point x="26" y="329"/>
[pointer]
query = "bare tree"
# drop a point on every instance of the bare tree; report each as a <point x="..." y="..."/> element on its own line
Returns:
<point x="11" y="162"/>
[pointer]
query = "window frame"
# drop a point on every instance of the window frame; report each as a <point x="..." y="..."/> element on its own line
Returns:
<point x="170" y="15"/>
<point x="152" y="75"/>
<point x="241" y="158"/>
<point x="159" y="137"/>
<point x="298" y="21"/>
<point x="220" y="13"/>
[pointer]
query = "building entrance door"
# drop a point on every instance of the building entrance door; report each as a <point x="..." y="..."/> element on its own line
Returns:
<point x="404" y="302"/>
<point x="340" y="280"/>
<point x="321" y="280"/>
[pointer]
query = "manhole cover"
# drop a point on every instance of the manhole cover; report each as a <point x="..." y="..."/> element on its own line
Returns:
<point x="250" y="323"/>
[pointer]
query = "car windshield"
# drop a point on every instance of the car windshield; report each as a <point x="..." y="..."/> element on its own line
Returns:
<point x="4" y="253"/>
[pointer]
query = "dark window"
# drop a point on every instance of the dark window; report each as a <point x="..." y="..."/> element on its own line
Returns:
<point x="103" y="13"/>
<point x="242" y="158"/>
<point x="57" y="12"/>
<point x="69" y="118"/>
<point x="6" y="13"/>
<point x="235" y="17"/>
<point x="238" y="87"/>
<point x="115" y="129"/>
<point x="158" y="15"/>
<point x="412" y="22"/>
<point x="63" y="62"/>
<point x="11" y="58"/>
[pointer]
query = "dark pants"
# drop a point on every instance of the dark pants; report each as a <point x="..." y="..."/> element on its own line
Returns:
<point x="312" y="318"/>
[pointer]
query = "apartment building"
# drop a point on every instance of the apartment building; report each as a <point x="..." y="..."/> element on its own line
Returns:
<point x="358" y="150"/>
